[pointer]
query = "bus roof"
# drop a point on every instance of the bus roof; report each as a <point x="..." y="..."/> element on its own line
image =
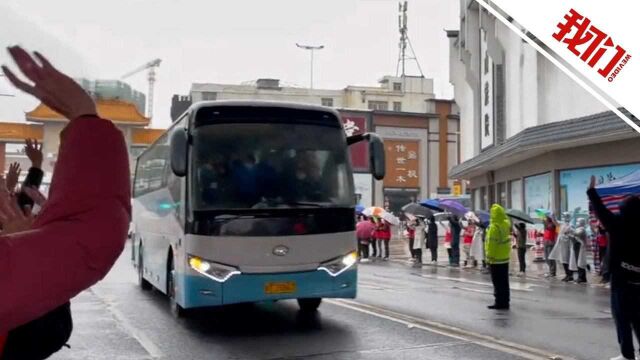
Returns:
<point x="261" y="103"/>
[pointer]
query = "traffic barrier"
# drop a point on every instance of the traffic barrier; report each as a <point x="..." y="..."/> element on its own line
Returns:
<point x="538" y="248"/>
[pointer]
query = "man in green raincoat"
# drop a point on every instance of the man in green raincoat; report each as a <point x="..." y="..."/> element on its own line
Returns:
<point x="498" y="251"/>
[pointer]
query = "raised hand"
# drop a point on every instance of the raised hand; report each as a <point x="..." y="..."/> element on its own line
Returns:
<point x="55" y="89"/>
<point x="34" y="152"/>
<point x="13" y="175"/>
<point x="592" y="182"/>
<point x="35" y="195"/>
<point x="12" y="218"/>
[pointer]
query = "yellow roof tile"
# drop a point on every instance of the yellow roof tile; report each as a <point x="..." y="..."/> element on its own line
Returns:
<point x="140" y="136"/>
<point x="20" y="131"/>
<point x="117" y="111"/>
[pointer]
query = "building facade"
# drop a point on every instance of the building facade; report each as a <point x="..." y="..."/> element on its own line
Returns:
<point x="408" y="94"/>
<point x="531" y="137"/>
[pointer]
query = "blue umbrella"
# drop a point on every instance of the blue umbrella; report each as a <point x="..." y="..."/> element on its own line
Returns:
<point x="482" y="215"/>
<point x="432" y="204"/>
<point x="359" y="209"/>
<point x="453" y="207"/>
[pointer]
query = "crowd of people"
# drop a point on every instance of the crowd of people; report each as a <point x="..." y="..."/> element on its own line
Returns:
<point x="567" y="241"/>
<point x="609" y="236"/>
<point x="374" y="235"/>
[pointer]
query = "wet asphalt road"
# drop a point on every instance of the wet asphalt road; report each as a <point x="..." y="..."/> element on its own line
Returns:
<point x="401" y="313"/>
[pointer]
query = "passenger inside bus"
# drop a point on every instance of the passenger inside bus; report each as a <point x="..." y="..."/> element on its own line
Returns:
<point x="244" y="177"/>
<point x="268" y="166"/>
<point x="308" y="178"/>
<point x="214" y="179"/>
<point x="267" y="171"/>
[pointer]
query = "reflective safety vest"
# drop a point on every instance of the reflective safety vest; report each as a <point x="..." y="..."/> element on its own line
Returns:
<point x="497" y="245"/>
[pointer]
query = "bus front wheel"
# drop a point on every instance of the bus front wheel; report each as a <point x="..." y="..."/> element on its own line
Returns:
<point x="177" y="310"/>
<point x="142" y="282"/>
<point x="310" y="304"/>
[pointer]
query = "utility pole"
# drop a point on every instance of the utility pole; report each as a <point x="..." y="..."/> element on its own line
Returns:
<point x="312" y="49"/>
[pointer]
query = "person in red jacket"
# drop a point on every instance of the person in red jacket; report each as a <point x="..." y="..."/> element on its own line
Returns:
<point x="383" y="236"/>
<point x="81" y="230"/>
<point x="550" y="235"/>
<point x="467" y="239"/>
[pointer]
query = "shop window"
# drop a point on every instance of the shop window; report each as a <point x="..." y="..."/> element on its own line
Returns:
<point x="515" y="194"/>
<point x="573" y="182"/>
<point x="502" y="194"/>
<point x="537" y="193"/>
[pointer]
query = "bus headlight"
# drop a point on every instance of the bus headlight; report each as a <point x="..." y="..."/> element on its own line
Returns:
<point x="340" y="264"/>
<point x="212" y="270"/>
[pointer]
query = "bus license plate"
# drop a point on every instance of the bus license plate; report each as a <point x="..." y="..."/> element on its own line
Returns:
<point x="287" y="287"/>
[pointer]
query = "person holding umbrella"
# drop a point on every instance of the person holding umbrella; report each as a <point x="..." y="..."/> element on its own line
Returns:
<point x="410" y="233"/>
<point x="418" y="240"/>
<point x="455" y="228"/>
<point x="383" y="236"/>
<point x="520" y="233"/>
<point x="498" y="252"/>
<point x="432" y="238"/>
<point x="477" y="244"/>
<point x="467" y="240"/>
<point x="364" y="232"/>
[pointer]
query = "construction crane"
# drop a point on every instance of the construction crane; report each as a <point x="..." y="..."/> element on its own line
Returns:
<point x="151" y="77"/>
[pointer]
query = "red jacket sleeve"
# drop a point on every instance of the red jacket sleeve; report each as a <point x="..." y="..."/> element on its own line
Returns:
<point x="80" y="232"/>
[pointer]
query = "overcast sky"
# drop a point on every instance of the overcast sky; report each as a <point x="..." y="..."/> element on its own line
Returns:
<point x="226" y="41"/>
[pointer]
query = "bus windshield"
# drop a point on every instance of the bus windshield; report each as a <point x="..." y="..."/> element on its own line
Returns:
<point x="270" y="165"/>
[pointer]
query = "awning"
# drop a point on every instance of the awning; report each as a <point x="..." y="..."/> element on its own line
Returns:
<point x="533" y="141"/>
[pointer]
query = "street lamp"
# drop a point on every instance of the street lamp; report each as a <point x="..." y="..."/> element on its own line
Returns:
<point x="311" y="48"/>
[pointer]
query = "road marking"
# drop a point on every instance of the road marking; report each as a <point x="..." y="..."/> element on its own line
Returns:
<point x="504" y="346"/>
<point x="472" y="290"/>
<point x="140" y="337"/>
<point x="515" y="286"/>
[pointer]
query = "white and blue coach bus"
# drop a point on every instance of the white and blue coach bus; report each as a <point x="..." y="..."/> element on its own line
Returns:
<point x="249" y="201"/>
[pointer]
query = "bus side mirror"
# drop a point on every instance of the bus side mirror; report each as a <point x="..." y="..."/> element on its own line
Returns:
<point x="376" y="156"/>
<point x="178" y="148"/>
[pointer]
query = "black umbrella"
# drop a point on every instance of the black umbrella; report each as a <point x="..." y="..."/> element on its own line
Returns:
<point x="417" y="210"/>
<point x="519" y="215"/>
